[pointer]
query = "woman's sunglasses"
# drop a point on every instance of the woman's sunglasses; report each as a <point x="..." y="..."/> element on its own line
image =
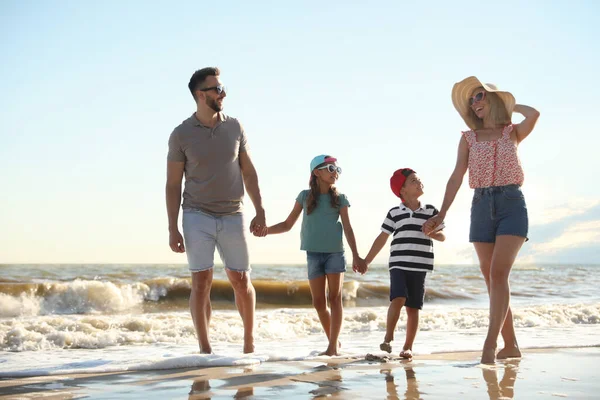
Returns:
<point x="332" y="168"/>
<point x="478" y="97"/>
<point x="219" y="89"/>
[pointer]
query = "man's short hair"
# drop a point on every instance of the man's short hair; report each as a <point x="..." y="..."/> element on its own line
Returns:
<point x="200" y="76"/>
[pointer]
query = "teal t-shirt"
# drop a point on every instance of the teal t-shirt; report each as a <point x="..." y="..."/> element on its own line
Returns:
<point x="321" y="230"/>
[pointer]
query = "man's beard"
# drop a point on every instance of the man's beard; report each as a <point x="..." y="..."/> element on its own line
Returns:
<point x="213" y="105"/>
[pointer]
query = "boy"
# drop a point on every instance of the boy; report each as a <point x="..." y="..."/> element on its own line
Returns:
<point x="411" y="255"/>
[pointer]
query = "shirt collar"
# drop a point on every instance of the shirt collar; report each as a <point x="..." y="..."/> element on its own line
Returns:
<point x="196" y="122"/>
<point x="405" y="208"/>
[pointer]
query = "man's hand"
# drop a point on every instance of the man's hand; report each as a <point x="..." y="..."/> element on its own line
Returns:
<point x="258" y="226"/>
<point x="176" y="241"/>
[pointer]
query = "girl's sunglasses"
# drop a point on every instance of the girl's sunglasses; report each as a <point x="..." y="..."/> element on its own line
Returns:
<point x="332" y="168"/>
<point x="478" y="97"/>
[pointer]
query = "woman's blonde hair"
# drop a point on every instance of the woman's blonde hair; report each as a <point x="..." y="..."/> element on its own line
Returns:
<point x="498" y="114"/>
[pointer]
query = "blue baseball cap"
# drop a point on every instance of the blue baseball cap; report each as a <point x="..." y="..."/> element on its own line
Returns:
<point x="318" y="160"/>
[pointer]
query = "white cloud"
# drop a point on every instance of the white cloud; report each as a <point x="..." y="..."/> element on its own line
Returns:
<point x="582" y="234"/>
<point x="541" y="214"/>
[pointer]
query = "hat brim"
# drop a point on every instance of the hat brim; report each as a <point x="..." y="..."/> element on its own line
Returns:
<point x="462" y="91"/>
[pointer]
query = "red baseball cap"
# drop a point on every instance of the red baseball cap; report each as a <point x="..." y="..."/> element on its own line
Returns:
<point x="397" y="180"/>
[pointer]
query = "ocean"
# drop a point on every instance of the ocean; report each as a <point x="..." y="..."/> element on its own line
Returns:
<point x="57" y="319"/>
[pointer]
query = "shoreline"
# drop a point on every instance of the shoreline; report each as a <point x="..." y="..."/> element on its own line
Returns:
<point x="541" y="373"/>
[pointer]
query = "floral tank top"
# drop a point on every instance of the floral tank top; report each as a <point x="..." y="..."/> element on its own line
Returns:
<point x="493" y="163"/>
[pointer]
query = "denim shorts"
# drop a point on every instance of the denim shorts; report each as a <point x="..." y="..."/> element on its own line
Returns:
<point x="202" y="233"/>
<point x="408" y="284"/>
<point x="498" y="210"/>
<point x="320" y="264"/>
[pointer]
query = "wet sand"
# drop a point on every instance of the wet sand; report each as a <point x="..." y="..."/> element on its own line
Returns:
<point x="543" y="373"/>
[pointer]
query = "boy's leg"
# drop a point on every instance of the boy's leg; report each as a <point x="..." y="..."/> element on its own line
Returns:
<point x="415" y="283"/>
<point x="393" y="315"/>
<point x="412" y="327"/>
<point x="398" y="295"/>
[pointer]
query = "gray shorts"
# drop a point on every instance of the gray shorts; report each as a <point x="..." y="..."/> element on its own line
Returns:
<point x="203" y="232"/>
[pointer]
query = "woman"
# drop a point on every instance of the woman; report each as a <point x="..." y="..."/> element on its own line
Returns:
<point x="499" y="221"/>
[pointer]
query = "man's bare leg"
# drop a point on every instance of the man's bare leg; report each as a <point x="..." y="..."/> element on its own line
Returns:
<point x="200" y="307"/>
<point x="245" y="300"/>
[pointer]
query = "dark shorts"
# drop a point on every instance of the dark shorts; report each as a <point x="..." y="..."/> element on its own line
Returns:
<point x="409" y="284"/>
<point x="498" y="210"/>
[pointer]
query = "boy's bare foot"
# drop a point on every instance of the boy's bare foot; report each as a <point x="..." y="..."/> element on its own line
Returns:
<point x="488" y="355"/>
<point x="206" y="350"/>
<point x="385" y="346"/>
<point x="406" y="354"/>
<point x="509" y="352"/>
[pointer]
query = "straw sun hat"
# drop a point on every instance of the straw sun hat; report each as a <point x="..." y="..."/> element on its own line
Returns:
<point x="462" y="91"/>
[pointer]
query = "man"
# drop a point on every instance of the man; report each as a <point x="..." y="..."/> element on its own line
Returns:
<point x="211" y="149"/>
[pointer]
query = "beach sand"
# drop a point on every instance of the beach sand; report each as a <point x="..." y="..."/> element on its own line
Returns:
<point x="542" y="373"/>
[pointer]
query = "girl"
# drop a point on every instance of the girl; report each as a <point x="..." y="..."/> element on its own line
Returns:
<point x="321" y="238"/>
<point x="499" y="221"/>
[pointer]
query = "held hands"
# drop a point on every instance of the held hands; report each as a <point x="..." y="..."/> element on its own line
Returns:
<point x="359" y="265"/>
<point x="432" y="223"/>
<point x="176" y="241"/>
<point x="258" y="226"/>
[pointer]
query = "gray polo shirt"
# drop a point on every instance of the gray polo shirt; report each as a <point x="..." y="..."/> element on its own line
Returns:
<point x="213" y="177"/>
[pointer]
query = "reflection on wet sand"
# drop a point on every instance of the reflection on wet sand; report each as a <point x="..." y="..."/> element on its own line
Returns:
<point x="505" y="389"/>
<point x="201" y="391"/>
<point x="412" y="385"/>
<point x="332" y="386"/>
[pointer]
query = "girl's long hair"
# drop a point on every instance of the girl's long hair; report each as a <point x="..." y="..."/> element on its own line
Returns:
<point x="313" y="195"/>
<point x="498" y="113"/>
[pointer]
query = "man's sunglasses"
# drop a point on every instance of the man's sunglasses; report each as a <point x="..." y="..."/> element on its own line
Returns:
<point x="478" y="97"/>
<point x="219" y="89"/>
<point x="332" y="168"/>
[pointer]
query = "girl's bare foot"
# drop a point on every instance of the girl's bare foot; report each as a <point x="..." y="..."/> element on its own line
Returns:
<point x="488" y="355"/>
<point x="509" y="352"/>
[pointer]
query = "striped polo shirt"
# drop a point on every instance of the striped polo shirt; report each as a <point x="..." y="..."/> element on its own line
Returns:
<point x="411" y="249"/>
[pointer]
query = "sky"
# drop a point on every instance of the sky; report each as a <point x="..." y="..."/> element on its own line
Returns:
<point x="90" y="92"/>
